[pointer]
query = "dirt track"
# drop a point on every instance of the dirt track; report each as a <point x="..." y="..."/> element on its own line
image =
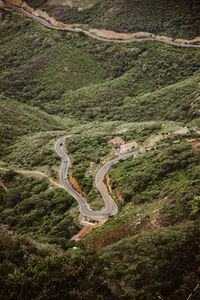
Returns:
<point x="98" y="34"/>
<point x="27" y="172"/>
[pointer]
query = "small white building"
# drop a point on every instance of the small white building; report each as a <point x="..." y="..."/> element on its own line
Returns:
<point x="128" y="147"/>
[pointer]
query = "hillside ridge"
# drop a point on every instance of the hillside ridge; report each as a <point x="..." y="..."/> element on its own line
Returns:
<point x="101" y="33"/>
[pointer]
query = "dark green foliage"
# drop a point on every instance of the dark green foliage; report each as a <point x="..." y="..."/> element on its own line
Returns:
<point x="18" y="119"/>
<point x="174" y="18"/>
<point x="159" y="263"/>
<point x="70" y="75"/>
<point x="141" y="95"/>
<point x="64" y="73"/>
<point x="29" y="206"/>
<point x="31" y="270"/>
<point x="47" y="157"/>
<point x="76" y="275"/>
<point x="174" y="175"/>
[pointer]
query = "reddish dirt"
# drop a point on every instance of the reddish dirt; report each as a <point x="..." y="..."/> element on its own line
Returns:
<point x="108" y="182"/>
<point x="3" y="185"/>
<point x="119" y="195"/>
<point x="106" y="239"/>
<point x="155" y="221"/>
<point x="76" y="185"/>
<point x="87" y="228"/>
<point x="99" y="32"/>
<point x="108" y="34"/>
<point x="14" y="2"/>
<point x="159" y="154"/>
<point x="157" y="139"/>
<point x="194" y="142"/>
<point x="27" y="172"/>
<point x="126" y="228"/>
<point x="123" y="231"/>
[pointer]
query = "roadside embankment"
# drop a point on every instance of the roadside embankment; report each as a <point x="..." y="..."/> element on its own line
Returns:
<point x="101" y="33"/>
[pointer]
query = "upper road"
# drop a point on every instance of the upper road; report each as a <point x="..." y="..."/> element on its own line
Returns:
<point x="79" y="30"/>
<point x="110" y="207"/>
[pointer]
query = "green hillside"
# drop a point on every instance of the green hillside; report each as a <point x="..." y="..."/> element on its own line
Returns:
<point x="156" y="264"/>
<point x="31" y="206"/>
<point x="54" y="84"/>
<point x="64" y="73"/>
<point x="17" y="120"/>
<point x="148" y="266"/>
<point x="173" y="18"/>
<point x="115" y="101"/>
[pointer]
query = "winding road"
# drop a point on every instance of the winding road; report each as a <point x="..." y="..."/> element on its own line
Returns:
<point x="110" y="207"/>
<point x="91" y="35"/>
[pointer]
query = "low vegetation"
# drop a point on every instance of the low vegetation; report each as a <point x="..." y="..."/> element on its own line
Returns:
<point x="159" y="188"/>
<point x="86" y="148"/>
<point x="173" y="18"/>
<point x="17" y="120"/>
<point x="31" y="206"/>
<point x="151" y="265"/>
<point x="156" y="264"/>
<point x="55" y="83"/>
<point x="93" y="80"/>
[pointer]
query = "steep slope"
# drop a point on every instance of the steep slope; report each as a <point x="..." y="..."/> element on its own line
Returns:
<point x="159" y="188"/>
<point x="172" y="18"/>
<point x="153" y="243"/>
<point x="157" y="264"/>
<point x="31" y="206"/>
<point x="88" y="79"/>
<point x="18" y="119"/>
<point x="29" y="268"/>
<point x="114" y="100"/>
<point x="144" y="267"/>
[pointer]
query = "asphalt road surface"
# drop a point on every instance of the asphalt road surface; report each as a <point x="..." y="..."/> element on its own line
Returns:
<point x="110" y="207"/>
<point x="79" y="30"/>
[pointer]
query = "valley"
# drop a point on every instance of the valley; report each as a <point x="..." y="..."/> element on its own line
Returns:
<point x="79" y="217"/>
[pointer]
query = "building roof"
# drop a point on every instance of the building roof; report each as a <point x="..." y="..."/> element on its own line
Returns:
<point x="117" y="141"/>
<point x="129" y="145"/>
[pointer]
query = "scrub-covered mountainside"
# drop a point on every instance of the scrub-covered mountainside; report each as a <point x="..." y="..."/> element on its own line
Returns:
<point x="175" y="18"/>
<point x="64" y="73"/>
<point x="56" y="83"/>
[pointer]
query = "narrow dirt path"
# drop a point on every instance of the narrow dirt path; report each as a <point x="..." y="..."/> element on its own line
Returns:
<point x="98" y="34"/>
<point x="3" y="185"/>
<point x="28" y="172"/>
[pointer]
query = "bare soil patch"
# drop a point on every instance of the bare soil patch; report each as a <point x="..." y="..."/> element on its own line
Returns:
<point x="3" y="185"/>
<point x="108" y="34"/>
<point x="76" y="185"/>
